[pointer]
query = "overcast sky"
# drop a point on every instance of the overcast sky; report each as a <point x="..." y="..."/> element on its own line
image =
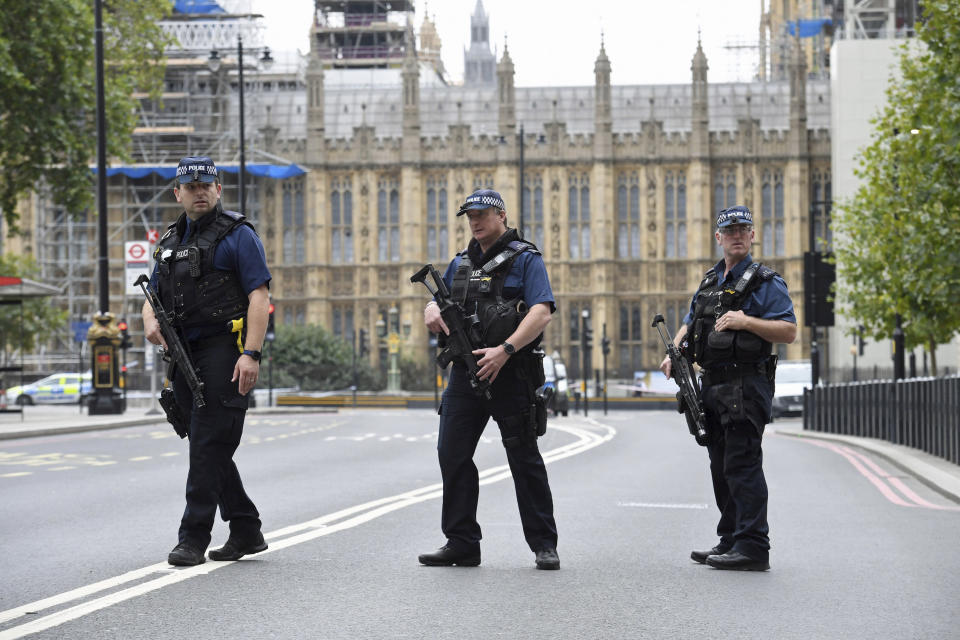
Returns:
<point x="556" y="43"/>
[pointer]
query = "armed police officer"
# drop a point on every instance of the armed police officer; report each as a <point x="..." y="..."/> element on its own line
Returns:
<point x="211" y="272"/>
<point x="739" y="311"/>
<point x="501" y="279"/>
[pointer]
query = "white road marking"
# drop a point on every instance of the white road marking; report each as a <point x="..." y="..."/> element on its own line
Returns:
<point x="305" y="531"/>
<point x="663" y="505"/>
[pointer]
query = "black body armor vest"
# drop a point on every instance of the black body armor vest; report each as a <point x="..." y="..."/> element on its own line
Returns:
<point x="478" y="287"/>
<point x="190" y="288"/>
<point x="710" y="348"/>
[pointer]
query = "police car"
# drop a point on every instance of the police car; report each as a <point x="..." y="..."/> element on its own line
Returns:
<point x="59" y="388"/>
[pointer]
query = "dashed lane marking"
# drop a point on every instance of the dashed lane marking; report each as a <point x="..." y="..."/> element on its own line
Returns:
<point x="350" y="517"/>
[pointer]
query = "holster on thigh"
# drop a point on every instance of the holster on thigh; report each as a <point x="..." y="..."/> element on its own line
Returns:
<point x="519" y="429"/>
<point x="728" y="399"/>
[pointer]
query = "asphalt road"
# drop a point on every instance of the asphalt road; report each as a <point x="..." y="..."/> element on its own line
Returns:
<point x="348" y="501"/>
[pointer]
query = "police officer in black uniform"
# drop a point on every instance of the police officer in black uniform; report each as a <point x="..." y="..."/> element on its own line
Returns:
<point x="739" y="311"/>
<point x="210" y="270"/>
<point x="501" y="278"/>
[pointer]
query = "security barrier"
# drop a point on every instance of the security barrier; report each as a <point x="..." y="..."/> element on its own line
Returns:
<point x="923" y="413"/>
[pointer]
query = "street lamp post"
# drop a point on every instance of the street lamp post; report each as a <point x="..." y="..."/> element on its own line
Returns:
<point x="393" y="347"/>
<point x="213" y="62"/>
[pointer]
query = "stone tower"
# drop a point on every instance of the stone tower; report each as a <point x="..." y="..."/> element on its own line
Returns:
<point x="479" y="63"/>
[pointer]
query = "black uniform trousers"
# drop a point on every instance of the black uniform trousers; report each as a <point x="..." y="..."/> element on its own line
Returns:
<point x="736" y="462"/>
<point x="214" y="432"/>
<point x="463" y="417"/>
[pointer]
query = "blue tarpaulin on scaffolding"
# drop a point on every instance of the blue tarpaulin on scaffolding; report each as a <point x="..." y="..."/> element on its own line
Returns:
<point x="273" y="171"/>
<point x="197" y="6"/>
<point x="808" y="28"/>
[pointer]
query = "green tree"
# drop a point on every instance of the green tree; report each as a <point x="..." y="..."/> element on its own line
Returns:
<point x="898" y="239"/>
<point x="48" y="91"/>
<point x="311" y="358"/>
<point x="40" y="320"/>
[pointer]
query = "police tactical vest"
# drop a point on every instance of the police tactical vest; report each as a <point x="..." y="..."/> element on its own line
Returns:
<point x="190" y="287"/>
<point x="479" y="289"/>
<point x="716" y="348"/>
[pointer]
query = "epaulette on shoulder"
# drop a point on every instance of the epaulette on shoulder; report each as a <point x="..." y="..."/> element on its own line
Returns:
<point x="766" y="273"/>
<point x="239" y="217"/>
<point x="524" y="245"/>
<point x="709" y="278"/>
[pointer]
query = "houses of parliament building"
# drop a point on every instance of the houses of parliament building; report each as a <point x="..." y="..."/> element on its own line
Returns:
<point x="617" y="185"/>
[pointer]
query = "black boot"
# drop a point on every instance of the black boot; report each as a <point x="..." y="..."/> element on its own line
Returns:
<point x="235" y="549"/>
<point x="447" y="557"/>
<point x="701" y="556"/>
<point x="185" y="555"/>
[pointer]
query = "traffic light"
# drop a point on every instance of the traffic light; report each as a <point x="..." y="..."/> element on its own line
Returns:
<point x="587" y="336"/>
<point x="271" y="334"/>
<point x="606" y="346"/>
<point x="125" y="341"/>
<point x="860" y="340"/>
<point x="364" y="347"/>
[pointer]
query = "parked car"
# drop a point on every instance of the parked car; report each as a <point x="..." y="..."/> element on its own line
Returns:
<point x="59" y="388"/>
<point x="792" y="378"/>
<point x="555" y="373"/>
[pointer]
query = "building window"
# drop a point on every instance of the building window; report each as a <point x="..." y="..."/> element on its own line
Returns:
<point x="388" y="220"/>
<point x="294" y="231"/>
<point x="675" y="208"/>
<point x="343" y="322"/>
<point x="821" y="201"/>
<point x="773" y="218"/>
<point x="628" y="216"/>
<point x="482" y="181"/>
<point x="437" y="218"/>
<point x="724" y="195"/>
<point x="630" y="343"/>
<point x="341" y="220"/>
<point x="533" y="209"/>
<point x="579" y="227"/>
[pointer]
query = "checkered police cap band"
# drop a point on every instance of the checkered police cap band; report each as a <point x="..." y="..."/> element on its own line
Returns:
<point x="734" y="215"/>
<point x="482" y="199"/>
<point x="196" y="169"/>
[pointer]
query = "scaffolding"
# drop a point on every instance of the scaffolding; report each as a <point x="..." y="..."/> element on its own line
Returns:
<point x="196" y="114"/>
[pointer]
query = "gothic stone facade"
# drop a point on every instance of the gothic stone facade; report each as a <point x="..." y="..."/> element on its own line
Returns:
<point x="620" y="189"/>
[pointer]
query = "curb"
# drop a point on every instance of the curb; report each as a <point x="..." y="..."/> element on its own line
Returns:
<point x="937" y="473"/>
<point x="137" y="422"/>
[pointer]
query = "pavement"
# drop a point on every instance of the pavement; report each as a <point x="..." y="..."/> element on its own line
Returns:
<point x="937" y="473"/>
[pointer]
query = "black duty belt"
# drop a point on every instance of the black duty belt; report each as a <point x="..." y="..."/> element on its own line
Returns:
<point x="726" y="373"/>
<point x="218" y="340"/>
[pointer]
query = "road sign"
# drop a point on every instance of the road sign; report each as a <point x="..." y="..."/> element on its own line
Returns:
<point x="153" y="235"/>
<point x="137" y="259"/>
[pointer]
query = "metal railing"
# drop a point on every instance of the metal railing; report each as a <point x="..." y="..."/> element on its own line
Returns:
<point x="923" y="413"/>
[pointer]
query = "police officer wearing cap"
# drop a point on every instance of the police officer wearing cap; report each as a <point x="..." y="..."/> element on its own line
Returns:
<point x="501" y="278"/>
<point x="738" y="312"/>
<point x="211" y="269"/>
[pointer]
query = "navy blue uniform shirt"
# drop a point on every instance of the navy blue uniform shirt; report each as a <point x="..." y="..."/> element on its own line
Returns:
<point x="241" y="252"/>
<point x="527" y="277"/>
<point x="769" y="301"/>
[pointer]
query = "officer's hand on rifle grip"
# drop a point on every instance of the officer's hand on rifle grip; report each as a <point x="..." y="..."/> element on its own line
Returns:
<point x="491" y="361"/>
<point x="151" y="329"/>
<point x="433" y="319"/>
<point x="666" y="366"/>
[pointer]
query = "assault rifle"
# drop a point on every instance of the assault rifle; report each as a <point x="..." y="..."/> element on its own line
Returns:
<point x="463" y="338"/>
<point x="176" y="356"/>
<point x="688" y="398"/>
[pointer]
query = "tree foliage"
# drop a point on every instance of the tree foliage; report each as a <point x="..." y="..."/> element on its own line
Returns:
<point x="48" y="91"/>
<point x="898" y="239"/>
<point x="40" y="320"/>
<point x="311" y="358"/>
